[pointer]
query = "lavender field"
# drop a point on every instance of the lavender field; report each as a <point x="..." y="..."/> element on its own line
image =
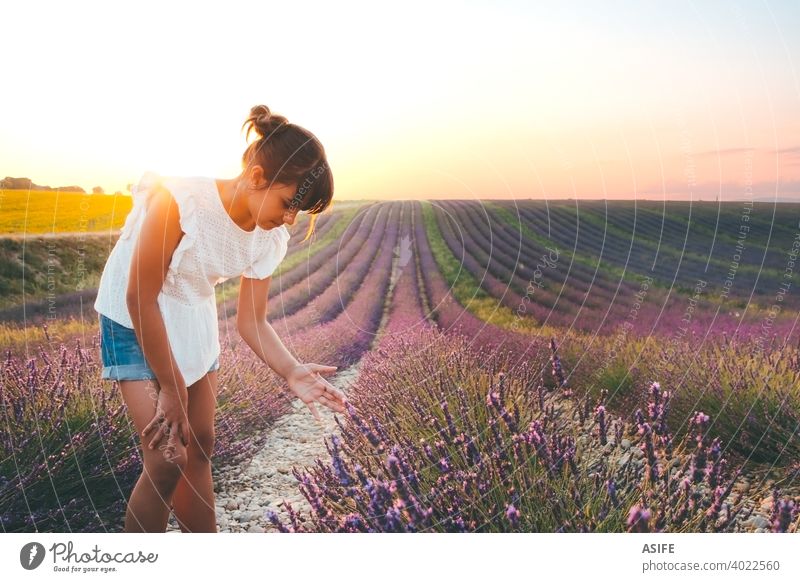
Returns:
<point x="524" y="367"/>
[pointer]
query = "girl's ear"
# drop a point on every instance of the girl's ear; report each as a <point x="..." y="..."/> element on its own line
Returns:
<point x="256" y="176"/>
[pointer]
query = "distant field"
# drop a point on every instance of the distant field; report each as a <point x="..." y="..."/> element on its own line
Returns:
<point x="35" y="266"/>
<point x="38" y="212"/>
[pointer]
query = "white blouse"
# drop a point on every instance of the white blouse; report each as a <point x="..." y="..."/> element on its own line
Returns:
<point x="213" y="248"/>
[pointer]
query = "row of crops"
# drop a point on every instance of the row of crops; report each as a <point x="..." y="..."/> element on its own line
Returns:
<point x="525" y="367"/>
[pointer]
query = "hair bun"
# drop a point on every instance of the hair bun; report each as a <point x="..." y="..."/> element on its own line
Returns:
<point x="264" y="121"/>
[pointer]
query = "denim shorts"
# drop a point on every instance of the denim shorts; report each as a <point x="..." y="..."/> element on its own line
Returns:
<point x="121" y="354"/>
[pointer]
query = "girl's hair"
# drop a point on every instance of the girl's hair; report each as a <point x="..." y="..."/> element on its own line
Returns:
<point x="290" y="155"/>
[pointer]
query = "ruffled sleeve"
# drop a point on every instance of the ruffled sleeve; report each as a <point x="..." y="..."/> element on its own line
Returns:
<point x="271" y="257"/>
<point x="188" y="208"/>
<point x="141" y="193"/>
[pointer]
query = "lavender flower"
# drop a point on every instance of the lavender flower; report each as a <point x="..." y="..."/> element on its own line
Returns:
<point x="558" y="371"/>
<point x="783" y="513"/>
<point x="513" y="515"/>
<point x="638" y="519"/>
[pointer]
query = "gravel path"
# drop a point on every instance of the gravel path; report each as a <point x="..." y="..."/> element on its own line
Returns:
<point x="245" y="493"/>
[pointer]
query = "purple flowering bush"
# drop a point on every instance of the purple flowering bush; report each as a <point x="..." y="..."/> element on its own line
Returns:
<point x="69" y="454"/>
<point x="437" y="441"/>
<point x="58" y="437"/>
<point x="748" y="389"/>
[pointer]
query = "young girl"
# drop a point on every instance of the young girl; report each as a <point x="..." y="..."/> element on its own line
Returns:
<point x="159" y="335"/>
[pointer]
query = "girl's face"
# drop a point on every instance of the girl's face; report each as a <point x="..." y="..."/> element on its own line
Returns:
<point x="273" y="207"/>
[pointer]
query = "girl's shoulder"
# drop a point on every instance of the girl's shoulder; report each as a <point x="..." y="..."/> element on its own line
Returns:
<point x="147" y="184"/>
<point x="190" y="194"/>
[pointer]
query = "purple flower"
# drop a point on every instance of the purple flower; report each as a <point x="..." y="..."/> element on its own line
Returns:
<point x="612" y="492"/>
<point x="450" y="426"/>
<point x="783" y="512"/>
<point x="353" y="522"/>
<point x="512" y="513"/>
<point x="276" y="521"/>
<point x="555" y="361"/>
<point x="338" y="464"/>
<point x="638" y="519"/>
<point x="362" y="427"/>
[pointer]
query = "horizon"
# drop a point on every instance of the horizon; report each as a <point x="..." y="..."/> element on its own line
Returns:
<point x="754" y="200"/>
<point x="621" y="102"/>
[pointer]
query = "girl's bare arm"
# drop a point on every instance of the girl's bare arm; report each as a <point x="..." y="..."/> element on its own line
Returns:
<point x="158" y="239"/>
<point x="304" y="380"/>
<point x="255" y="330"/>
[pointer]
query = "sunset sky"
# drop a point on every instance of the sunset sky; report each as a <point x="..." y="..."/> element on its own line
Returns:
<point x="675" y="99"/>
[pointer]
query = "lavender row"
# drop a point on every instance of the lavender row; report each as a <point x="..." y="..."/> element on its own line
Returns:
<point x="568" y="299"/>
<point x="433" y="443"/>
<point x="704" y="232"/>
<point x="578" y="275"/>
<point x="489" y="283"/>
<point x="319" y="277"/>
<point x="662" y="307"/>
<point x="333" y="300"/>
<point x="296" y="276"/>
<point x="342" y="341"/>
<point x="660" y="259"/>
<point x="587" y="274"/>
<point x="406" y="310"/>
<point x="494" y="258"/>
<point x="453" y="318"/>
<point x="610" y="305"/>
<point x="323" y="224"/>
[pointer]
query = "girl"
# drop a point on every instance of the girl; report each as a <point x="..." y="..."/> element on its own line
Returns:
<point x="159" y="335"/>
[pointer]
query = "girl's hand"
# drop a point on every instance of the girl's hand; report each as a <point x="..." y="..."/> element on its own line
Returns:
<point x="307" y="384"/>
<point x="170" y="420"/>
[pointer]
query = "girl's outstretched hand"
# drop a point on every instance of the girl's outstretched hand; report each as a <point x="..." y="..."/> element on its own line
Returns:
<point x="306" y="382"/>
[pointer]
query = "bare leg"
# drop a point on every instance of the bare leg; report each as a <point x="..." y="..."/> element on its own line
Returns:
<point x="194" y="494"/>
<point x="148" y="506"/>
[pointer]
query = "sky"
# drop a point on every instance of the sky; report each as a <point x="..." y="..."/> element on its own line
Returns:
<point x="678" y="99"/>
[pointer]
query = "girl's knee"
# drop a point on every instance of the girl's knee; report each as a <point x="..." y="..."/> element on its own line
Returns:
<point x="201" y="446"/>
<point x="165" y="467"/>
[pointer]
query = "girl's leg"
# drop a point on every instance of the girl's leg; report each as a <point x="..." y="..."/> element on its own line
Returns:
<point x="193" y="501"/>
<point x="148" y="506"/>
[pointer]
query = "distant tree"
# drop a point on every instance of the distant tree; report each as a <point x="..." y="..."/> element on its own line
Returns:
<point x="128" y="187"/>
<point x="98" y="190"/>
<point x="118" y="193"/>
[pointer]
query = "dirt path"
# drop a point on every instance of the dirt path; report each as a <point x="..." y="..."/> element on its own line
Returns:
<point x="245" y="493"/>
